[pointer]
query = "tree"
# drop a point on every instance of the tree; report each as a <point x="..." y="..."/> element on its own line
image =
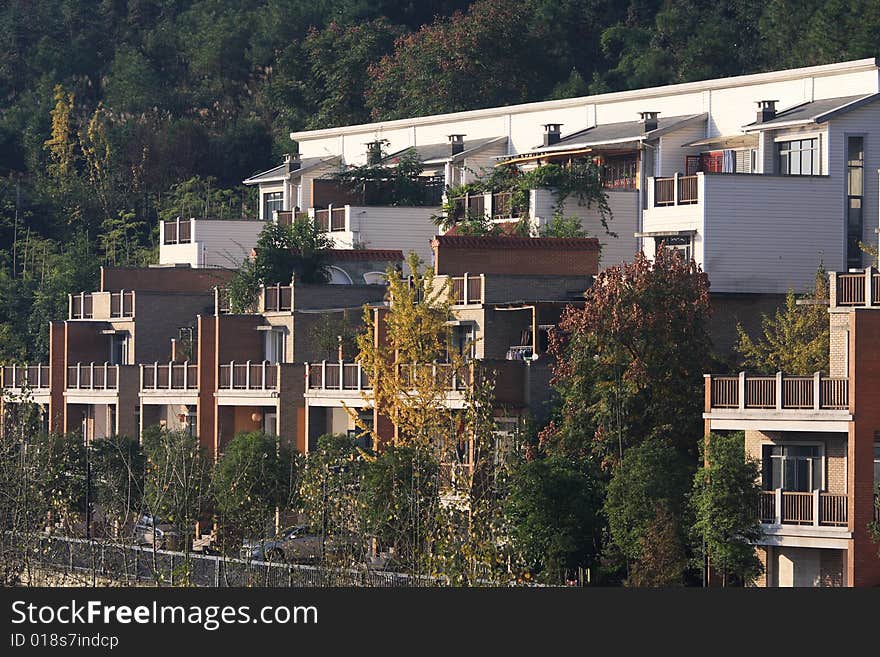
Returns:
<point x="629" y="364"/>
<point x="663" y="559"/>
<point x="649" y="486"/>
<point x="726" y="495"/>
<point x="561" y="226"/>
<point x="118" y="466"/>
<point x="795" y="339"/>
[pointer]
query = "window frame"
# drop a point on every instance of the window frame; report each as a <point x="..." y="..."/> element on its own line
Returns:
<point x="277" y="196"/>
<point x="821" y="458"/>
<point x="815" y="159"/>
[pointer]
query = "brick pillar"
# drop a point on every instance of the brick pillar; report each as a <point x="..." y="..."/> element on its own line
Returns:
<point x="206" y="420"/>
<point x="57" y="375"/>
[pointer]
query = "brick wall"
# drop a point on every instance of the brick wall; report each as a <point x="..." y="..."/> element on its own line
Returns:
<point x="316" y="297"/>
<point x="835" y="447"/>
<point x="839" y="342"/>
<point x="863" y="568"/>
<point x="206" y="413"/>
<point x="159" y="318"/>
<point x="291" y="404"/>
<point x="455" y="255"/>
<point x="85" y="343"/>
<point x="502" y="288"/>
<point x="57" y="375"/>
<point x="163" y="279"/>
<point x="238" y="338"/>
<point x="728" y="310"/>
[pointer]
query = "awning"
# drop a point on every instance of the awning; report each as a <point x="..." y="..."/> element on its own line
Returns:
<point x="666" y="233"/>
<point x="726" y="141"/>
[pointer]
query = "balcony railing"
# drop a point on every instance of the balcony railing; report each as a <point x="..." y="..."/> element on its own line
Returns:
<point x="284" y="217"/>
<point x="177" y="231"/>
<point x="277" y="298"/>
<point x="336" y="376"/>
<point x="467" y="289"/>
<point x="779" y="507"/>
<point x="469" y="205"/>
<point x="81" y="306"/>
<point x="248" y="376"/>
<point x="678" y="190"/>
<point x="25" y="376"/>
<point x="779" y="392"/>
<point x="122" y="304"/>
<point x="331" y="375"/>
<point x="855" y="289"/>
<point x="169" y="376"/>
<point x="92" y="376"/>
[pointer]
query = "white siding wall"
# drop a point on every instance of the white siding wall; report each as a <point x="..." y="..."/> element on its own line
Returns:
<point x="675" y="218"/>
<point x="225" y="243"/>
<point x="769" y="233"/>
<point x="407" y="229"/>
<point x="672" y="156"/>
<point x="484" y="159"/>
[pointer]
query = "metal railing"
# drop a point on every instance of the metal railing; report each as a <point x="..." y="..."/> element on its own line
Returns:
<point x="92" y="376"/>
<point x="248" y="376"/>
<point x="687" y="190"/>
<point x="81" y="306"/>
<point x="169" y="376"/>
<point x="467" y="289"/>
<point x="277" y="298"/>
<point x="664" y="192"/>
<point x="816" y="508"/>
<point x="21" y="376"/>
<point x="780" y="392"/>
<point x="122" y="304"/>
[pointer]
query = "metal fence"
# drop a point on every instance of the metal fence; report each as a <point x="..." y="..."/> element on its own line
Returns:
<point x="131" y="564"/>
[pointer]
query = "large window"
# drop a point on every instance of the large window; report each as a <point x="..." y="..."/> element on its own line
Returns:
<point x="680" y="243"/>
<point x="796" y="468"/>
<point x="855" y="166"/>
<point x="272" y="201"/>
<point x="274" y="346"/>
<point x="799" y="157"/>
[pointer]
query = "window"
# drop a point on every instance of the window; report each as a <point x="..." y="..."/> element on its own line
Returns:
<point x="272" y="201"/>
<point x="270" y="419"/>
<point x="797" y="468"/>
<point x="680" y="243"/>
<point x="275" y="346"/>
<point x="119" y="349"/>
<point x="855" y="165"/>
<point x="620" y="172"/>
<point x="799" y="157"/>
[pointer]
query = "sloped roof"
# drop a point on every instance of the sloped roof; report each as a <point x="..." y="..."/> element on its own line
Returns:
<point x="279" y="173"/>
<point x="512" y="242"/>
<point x="817" y="111"/>
<point x="367" y="255"/>
<point x="624" y="131"/>
<point x="438" y="153"/>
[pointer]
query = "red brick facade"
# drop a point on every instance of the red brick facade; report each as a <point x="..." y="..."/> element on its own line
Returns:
<point x="455" y="255"/>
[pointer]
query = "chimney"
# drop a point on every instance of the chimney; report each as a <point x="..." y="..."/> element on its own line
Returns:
<point x="374" y="151"/>
<point x="649" y="119"/>
<point x="552" y="133"/>
<point x="292" y="162"/>
<point x="457" y="143"/>
<point x="766" y="110"/>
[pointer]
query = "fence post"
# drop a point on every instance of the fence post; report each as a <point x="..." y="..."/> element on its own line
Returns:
<point x="264" y="375"/>
<point x="359" y="375"/>
<point x="741" y="390"/>
<point x="778" y="391"/>
<point x="869" y="280"/>
<point x="323" y="375"/>
<point x="171" y="374"/>
<point x="247" y="376"/>
<point x="465" y="286"/>
<point x="817" y="390"/>
<point x="675" y="189"/>
<point x="816" y="507"/>
<point x="186" y="375"/>
<point x="341" y="375"/>
<point x="778" y="493"/>
<point x="92" y="375"/>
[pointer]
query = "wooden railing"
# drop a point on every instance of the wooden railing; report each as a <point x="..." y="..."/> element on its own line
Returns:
<point x="91" y="376"/>
<point x="284" y="217"/>
<point x="122" y="304"/>
<point x="678" y="190"/>
<point x="467" y="289"/>
<point x="803" y="508"/>
<point x="177" y="231"/>
<point x="169" y="376"/>
<point x="468" y="205"/>
<point x="277" y="298"/>
<point x="21" y="376"/>
<point x="248" y="376"/>
<point x="331" y="219"/>
<point x="780" y="392"/>
<point x="81" y="306"/>
<point x="851" y="289"/>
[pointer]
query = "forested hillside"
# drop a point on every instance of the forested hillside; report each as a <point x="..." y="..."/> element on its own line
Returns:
<point x="116" y="113"/>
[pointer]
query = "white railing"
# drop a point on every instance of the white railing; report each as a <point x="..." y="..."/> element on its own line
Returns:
<point x="92" y="376"/>
<point x="169" y="376"/>
<point x="249" y="376"/>
<point x="778" y="392"/>
<point x="25" y="376"/>
<point x="337" y="375"/>
<point x="816" y="508"/>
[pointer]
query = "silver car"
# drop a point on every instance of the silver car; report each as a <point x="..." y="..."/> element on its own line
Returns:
<point x="296" y="544"/>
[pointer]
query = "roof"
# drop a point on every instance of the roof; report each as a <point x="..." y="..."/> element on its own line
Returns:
<point x="279" y="173"/>
<point x="439" y="153"/>
<point x="817" y="111"/>
<point x="390" y="255"/>
<point x="511" y="242"/>
<point x="614" y="96"/>
<point x="625" y="132"/>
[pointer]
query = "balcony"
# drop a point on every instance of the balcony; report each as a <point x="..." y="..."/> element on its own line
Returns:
<point x="248" y="376"/>
<point x="92" y="376"/>
<point x="101" y="305"/>
<point x="169" y="376"/>
<point x="25" y="376"/>
<point x="336" y="376"/>
<point x="177" y="231"/>
<point x="815" y="509"/>
<point x="855" y="289"/>
<point x="332" y="220"/>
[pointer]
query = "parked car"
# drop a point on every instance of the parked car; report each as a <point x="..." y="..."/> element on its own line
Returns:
<point x="296" y="544"/>
<point x="148" y="528"/>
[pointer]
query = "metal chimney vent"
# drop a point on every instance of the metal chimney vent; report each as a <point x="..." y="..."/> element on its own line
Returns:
<point x="766" y="110"/>
<point x="650" y="120"/>
<point x="552" y="133"/>
<point x="457" y="143"/>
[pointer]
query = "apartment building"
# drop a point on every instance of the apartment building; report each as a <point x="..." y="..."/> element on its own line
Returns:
<point x="818" y="442"/>
<point x="508" y="294"/>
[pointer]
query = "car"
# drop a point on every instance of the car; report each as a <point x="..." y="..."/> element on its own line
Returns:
<point x="295" y="544"/>
<point x="162" y="531"/>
